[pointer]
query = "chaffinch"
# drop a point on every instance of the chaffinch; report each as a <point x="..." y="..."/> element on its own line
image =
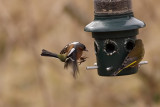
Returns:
<point x="70" y="55"/>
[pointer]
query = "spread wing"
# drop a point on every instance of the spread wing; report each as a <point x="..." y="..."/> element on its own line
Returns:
<point x="128" y="61"/>
<point x="64" y="50"/>
<point x="67" y="49"/>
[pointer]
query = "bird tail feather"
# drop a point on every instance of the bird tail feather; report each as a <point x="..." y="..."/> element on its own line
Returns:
<point x="49" y="54"/>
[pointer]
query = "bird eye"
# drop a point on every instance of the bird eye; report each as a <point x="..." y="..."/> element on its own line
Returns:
<point x="129" y="45"/>
<point x="110" y="47"/>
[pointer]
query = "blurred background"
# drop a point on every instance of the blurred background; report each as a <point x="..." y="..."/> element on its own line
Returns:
<point x="29" y="80"/>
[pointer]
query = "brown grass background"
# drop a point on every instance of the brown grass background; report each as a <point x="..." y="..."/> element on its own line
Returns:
<point x="29" y="80"/>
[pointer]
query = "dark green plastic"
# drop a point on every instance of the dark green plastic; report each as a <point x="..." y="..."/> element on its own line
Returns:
<point x="117" y="29"/>
<point x="114" y="23"/>
<point x="115" y="60"/>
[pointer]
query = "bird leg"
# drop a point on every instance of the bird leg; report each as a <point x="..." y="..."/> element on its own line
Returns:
<point x="82" y="59"/>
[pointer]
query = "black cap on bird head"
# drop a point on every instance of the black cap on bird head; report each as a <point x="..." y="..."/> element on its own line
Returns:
<point x="80" y="45"/>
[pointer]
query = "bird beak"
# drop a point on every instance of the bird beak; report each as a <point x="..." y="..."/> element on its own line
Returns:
<point x="86" y="50"/>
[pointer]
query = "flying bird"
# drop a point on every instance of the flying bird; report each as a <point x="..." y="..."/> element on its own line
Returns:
<point x="71" y="54"/>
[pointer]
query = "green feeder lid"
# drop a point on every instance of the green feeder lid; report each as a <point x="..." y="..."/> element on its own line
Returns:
<point x="114" y="23"/>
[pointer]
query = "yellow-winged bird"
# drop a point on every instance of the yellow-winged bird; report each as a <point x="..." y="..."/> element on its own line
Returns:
<point x="133" y="58"/>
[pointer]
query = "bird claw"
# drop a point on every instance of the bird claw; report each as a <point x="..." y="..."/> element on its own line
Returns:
<point x="82" y="59"/>
<point x="81" y="62"/>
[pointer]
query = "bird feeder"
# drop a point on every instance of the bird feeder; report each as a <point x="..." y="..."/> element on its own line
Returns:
<point x="114" y="29"/>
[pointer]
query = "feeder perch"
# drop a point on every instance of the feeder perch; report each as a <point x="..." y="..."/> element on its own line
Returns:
<point x="114" y="29"/>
